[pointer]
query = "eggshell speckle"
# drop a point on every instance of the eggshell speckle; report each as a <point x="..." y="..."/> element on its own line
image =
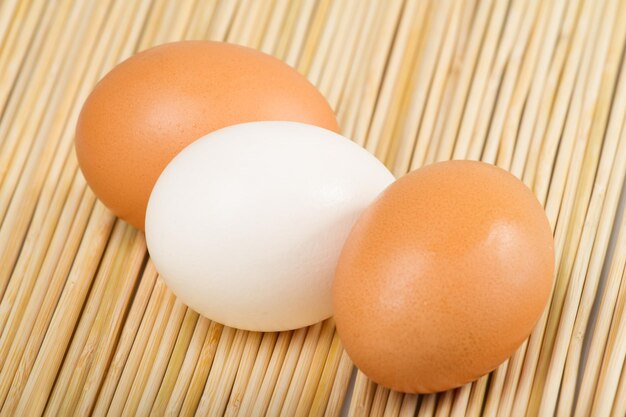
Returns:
<point x="149" y="107"/>
<point x="443" y="276"/>
<point x="246" y="224"/>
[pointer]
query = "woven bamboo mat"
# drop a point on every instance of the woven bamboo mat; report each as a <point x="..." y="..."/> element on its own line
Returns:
<point x="536" y="87"/>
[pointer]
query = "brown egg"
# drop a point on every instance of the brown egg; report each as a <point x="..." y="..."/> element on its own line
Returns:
<point x="443" y="277"/>
<point x="149" y="107"/>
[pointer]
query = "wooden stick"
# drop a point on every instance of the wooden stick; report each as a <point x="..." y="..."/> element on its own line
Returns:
<point x="327" y="378"/>
<point x="203" y="367"/>
<point x="142" y="302"/>
<point x="174" y="366"/>
<point x="244" y="372"/>
<point x="338" y="392"/>
<point x="279" y="356"/>
<point x="154" y="360"/>
<point x="151" y="329"/>
<point x="613" y="362"/>
<point x="192" y="356"/>
<point x="316" y="368"/>
<point x="30" y="328"/>
<point x="261" y="363"/>
<point x="96" y="313"/>
<point x="438" y="48"/>
<point x="362" y="396"/>
<point x="215" y="398"/>
<point x="29" y="396"/>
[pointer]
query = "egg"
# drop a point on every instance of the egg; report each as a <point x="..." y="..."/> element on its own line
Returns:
<point x="149" y="107"/>
<point x="443" y="277"/>
<point x="246" y="224"/>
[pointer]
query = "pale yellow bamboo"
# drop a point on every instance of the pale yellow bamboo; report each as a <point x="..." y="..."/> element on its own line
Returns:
<point x="338" y="391"/>
<point x="476" y="398"/>
<point x="320" y="56"/>
<point x="151" y="329"/>
<point x="20" y="137"/>
<point x="255" y="362"/>
<point x="437" y="55"/>
<point x="394" y="402"/>
<point x="315" y="370"/>
<point x="373" y="79"/>
<point x="461" y="400"/>
<point x="96" y="314"/>
<point x="619" y="407"/>
<point x="19" y="352"/>
<point x="444" y="404"/>
<point x="541" y="100"/>
<point x="142" y="302"/>
<point x="274" y="25"/>
<point x="427" y="405"/>
<point x="489" y="23"/>
<point x="513" y="91"/>
<point x="14" y="46"/>
<point x="203" y="366"/>
<point x="244" y="370"/>
<point x="329" y="375"/>
<point x="299" y="348"/>
<point x="300" y="31"/>
<point x="201" y="16"/>
<point x="453" y="45"/>
<point x="379" y="402"/>
<point x="8" y="11"/>
<point x="29" y="395"/>
<point x="318" y="22"/>
<point x="544" y="41"/>
<point x="599" y="341"/>
<point x="154" y="361"/>
<point x="335" y="71"/>
<point x="174" y="364"/>
<point x="362" y="395"/>
<point x="349" y="99"/>
<point x="214" y="399"/>
<point x="488" y="73"/>
<point x="192" y="357"/>
<point x="393" y="98"/>
<point x="281" y="43"/>
<point x="613" y="361"/>
<point x="279" y="354"/>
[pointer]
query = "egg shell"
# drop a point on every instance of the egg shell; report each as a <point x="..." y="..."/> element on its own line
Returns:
<point x="443" y="277"/>
<point x="149" y="107"/>
<point x="246" y="224"/>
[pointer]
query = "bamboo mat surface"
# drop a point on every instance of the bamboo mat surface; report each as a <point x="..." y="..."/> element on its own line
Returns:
<point x="536" y="87"/>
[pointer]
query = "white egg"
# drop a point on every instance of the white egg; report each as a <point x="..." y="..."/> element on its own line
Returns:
<point x="246" y="224"/>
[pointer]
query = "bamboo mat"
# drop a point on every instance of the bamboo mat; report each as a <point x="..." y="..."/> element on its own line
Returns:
<point x="536" y="87"/>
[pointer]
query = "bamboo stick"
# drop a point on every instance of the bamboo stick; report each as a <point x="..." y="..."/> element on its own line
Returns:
<point x="192" y="356"/>
<point x="613" y="361"/>
<point x="531" y="86"/>
<point x="96" y="313"/>
<point x="29" y="395"/>
<point x="203" y="366"/>
<point x="175" y="361"/>
<point x="142" y="303"/>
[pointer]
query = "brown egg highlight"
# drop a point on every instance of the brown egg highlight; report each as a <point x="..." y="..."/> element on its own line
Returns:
<point x="443" y="277"/>
<point x="149" y="107"/>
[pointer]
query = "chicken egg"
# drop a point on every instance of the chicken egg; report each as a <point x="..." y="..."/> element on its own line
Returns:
<point x="443" y="276"/>
<point x="149" y="107"/>
<point x="246" y="224"/>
